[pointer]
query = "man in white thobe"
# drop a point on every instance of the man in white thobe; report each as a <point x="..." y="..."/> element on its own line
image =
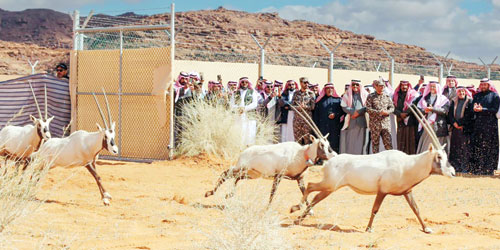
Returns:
<point x="245" y="99"/>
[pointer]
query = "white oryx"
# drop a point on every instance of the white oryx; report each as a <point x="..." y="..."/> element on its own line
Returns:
<point x="82" y="148"/>
<point x="287" y="160"/>
<point x="18" y="142"/>
<point x="390" y="172"/>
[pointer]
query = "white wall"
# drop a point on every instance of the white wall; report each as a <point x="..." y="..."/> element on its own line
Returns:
<point x="233" y="71"/>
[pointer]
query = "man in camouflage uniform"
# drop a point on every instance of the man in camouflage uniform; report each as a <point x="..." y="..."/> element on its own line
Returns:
<point x="379" y="106"/>
<point x="304" y="98"/>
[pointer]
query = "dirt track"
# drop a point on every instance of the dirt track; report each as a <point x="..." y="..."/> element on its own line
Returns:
<point x="161" y="206"/>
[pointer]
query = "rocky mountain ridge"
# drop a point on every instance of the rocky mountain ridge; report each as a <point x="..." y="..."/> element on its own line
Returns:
<point x="48" y="35"/>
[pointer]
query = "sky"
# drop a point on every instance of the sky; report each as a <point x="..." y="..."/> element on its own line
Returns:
<point x="468" y="28"/>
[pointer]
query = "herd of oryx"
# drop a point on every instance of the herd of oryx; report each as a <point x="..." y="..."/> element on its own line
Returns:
<point x="390" y="172"/>
<point x="81" y="148"/>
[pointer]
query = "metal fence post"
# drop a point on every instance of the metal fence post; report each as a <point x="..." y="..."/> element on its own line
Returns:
<point x="440" y="70"/>
<point x="448" y="69"/>
<point x="171" y="90"/>
<point x="32" y="66"/>
<point x="76" y="24"/>
<point x="262" y="54"/>
<point x="331" y="52"/>
<point x="488" y="66"/>
<point x="120" y="98"/>
<point x="391" y="73"/>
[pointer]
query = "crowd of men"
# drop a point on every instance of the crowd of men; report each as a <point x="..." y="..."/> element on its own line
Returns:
<point x="463" y="118"/>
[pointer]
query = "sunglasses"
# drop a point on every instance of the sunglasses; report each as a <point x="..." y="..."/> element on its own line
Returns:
<point x="269" y="87"/>
<point x="59" y="70"/>
<point x="355" y="84"/>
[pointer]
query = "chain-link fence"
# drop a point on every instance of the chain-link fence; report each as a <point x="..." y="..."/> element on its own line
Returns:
<point x="130" y="64"/>
<point x="131" y="59"/>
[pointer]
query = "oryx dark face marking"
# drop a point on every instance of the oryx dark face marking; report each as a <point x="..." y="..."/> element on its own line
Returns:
<point x="109" y="141"/>
<point x="42" y="127"/>
<point x="323" y="151"/>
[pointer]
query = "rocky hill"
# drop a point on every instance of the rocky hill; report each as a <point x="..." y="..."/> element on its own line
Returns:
<point x="14" y="58"/>
<point x="215" y="31"/>
<point x="46" y="28"/>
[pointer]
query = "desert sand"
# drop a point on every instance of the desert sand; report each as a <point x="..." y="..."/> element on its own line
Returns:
<point x="161" y="206"/>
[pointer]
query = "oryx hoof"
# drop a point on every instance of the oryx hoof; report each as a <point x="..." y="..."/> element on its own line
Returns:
<point x="294" y="208"/>
<point x="107" y="195"/>
<point x="427" y="230"/>
<point x="229" y="195"/>
<point x="369" y="230"/>
<point x="311" y="213"/>
<point x="209" y="193"/>
<point x="105" y="201"/>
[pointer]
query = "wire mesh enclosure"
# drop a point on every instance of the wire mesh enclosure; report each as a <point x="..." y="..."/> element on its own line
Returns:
<point x="130" y="58"/>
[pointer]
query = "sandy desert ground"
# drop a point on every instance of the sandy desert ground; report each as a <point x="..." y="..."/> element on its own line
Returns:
<point x="161" y="206"/>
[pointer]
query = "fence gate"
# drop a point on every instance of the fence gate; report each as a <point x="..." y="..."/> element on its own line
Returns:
<point x="133" y="64"/>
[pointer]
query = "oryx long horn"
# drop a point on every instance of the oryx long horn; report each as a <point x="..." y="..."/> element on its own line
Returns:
<point x="46" y="106"/>
<point x="311" y="120"/>
<point x="107" y="106"/>
<point x="425" y="125"/>
<point x="100" y="111"/>
<point x="307" y="121"/>
<point x="36" y="101"/>
<point x="432" y="133"/>
<point x="423" y="122"/>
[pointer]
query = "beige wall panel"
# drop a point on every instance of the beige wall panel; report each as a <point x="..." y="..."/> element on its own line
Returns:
<point x="233" y="71"/>
<point x="139" y="66"/>
<point x="97" y="69"/>
<point x="229" y="71"/>
<point x="143" y="135"/>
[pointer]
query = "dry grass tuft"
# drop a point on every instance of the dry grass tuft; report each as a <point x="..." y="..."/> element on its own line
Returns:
<point x="18" y="189"/>
<point x="212" y="128"/>
<point x="246" y="222"/>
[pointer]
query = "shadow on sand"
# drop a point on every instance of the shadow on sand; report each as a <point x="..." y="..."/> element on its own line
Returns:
<point x="199" y="205"/>
<point x="326" y="227"/>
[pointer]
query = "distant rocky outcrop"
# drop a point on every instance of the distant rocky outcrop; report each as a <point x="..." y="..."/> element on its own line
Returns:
<point x="213" y="31"/>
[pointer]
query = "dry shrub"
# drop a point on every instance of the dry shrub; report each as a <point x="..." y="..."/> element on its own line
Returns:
<point x="18" y="189"/>
<point x="213" y="128"/>
<point x="246" y="222"/>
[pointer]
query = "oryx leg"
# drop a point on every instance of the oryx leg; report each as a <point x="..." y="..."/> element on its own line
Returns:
<point x="413" y="205"/>
<point x="378" y="201"/>
<point x="104" y="195"/>
<point x="276" y="182"/>
<point x="319" y="197"/>
<point x="223" y="177"/>
<point x="27" y="162"/>
<point x="300" y="183"/>
<point x="311" y="187"/>
<point x="239" y="178"/>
